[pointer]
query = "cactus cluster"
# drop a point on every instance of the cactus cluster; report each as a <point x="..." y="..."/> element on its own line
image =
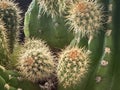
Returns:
<point x="54" y="30"/>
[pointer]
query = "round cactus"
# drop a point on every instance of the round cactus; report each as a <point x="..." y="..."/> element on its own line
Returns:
<point x="10" y="15"/>
<point x="73" y="64"/>
<point x="85" y="16"/>
<point x="35" y="61"/>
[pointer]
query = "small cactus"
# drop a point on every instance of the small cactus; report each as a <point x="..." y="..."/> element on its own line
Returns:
<point x="73" y="64"/>
<point x="35" y="62"/>
<point x="85" y="16"/>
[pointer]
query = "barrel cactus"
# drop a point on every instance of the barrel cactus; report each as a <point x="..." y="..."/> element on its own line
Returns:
<point x="83" y="12"/>
<point x="72" y="67"/>
<point x="35" y="61"/>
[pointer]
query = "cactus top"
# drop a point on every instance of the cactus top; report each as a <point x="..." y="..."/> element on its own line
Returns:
<point x="49" y="6"/>
<point x="85" y="17"/>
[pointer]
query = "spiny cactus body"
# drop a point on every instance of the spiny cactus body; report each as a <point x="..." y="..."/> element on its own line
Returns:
<point x="35" y="62"/>
<point x="73" y="64"/>
<point x="10" y="15"/>
<point x="85" y="17"/>
<point x="4" y="56"/>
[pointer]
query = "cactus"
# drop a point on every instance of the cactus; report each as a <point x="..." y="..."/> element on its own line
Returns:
<point x="4" y="59"/>
<point x="35" y="61"/>
<point x="10" y="15"/>
<point x="40" y="23"/>
<point x="72" y="67"/>
<point x="83" y="12"/>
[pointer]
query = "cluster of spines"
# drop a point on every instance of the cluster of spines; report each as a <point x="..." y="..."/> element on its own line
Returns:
<point x="35" y="61"/>
<point x="72" y="67"/>
<point x="85" y="17"/>
<point x="10" y="15"/>
<point x="49" y="6"/>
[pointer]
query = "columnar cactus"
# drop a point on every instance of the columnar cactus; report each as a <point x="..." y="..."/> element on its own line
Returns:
<point x="35" y="61"/>
<point x="10" y="15"/>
